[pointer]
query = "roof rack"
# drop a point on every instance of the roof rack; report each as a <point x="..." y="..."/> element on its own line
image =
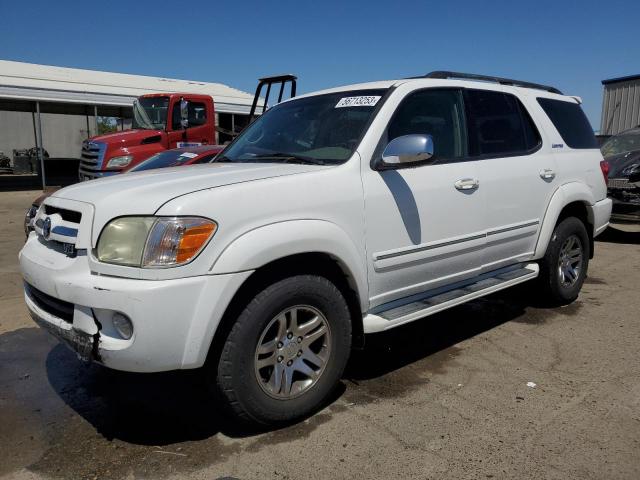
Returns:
<point x="489" y="78"/>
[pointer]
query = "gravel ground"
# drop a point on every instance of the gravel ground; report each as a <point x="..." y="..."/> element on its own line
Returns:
<point x="446" y="397"/>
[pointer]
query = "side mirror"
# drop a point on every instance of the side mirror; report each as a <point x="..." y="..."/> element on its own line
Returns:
<point x="407" y="150"/>
<point x="184" y="113"/>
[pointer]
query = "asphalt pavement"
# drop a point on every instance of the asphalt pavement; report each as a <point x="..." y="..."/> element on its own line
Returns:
<point x="502" y="387"/>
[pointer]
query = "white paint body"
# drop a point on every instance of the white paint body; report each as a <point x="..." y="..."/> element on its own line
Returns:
<point x="395" y="233"/>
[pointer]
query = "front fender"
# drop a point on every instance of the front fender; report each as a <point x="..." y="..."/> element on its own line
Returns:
<point x="266" y="244"/>
<point x="563" y="196"/>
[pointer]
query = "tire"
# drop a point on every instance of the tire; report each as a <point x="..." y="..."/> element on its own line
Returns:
<point x="254" y="394"/>
<point x="558" y="285"/>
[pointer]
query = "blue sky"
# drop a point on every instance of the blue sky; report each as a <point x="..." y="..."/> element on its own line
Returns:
<point x="569" y="44"/>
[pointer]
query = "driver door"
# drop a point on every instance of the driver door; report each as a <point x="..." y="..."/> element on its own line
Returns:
<point x="422" y="229"/>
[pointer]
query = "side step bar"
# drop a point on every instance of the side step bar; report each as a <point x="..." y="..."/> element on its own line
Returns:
<point x="412" y="308"/>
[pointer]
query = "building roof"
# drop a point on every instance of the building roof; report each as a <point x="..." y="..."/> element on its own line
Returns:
<point x="621" y="79"/>
<point x="28" y="81"/>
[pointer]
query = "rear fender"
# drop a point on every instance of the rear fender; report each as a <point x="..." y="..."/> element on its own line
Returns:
<point x="563" y="196"/>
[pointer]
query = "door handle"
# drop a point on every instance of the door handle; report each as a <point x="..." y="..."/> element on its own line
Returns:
<point x="466" y="184"/>
<point x="547" y="174"/>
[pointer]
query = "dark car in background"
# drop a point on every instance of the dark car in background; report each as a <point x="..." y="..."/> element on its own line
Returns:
<point x="178" y="157"/>
<point x="622" y="151"/>
<point x="167" y="158"/>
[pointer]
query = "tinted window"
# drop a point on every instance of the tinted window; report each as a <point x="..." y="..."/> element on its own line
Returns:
<point x="438" y="113"/>
<point x="571" y="123"/>
<point x="197" y="115"/>
<point x="498" y="124"/>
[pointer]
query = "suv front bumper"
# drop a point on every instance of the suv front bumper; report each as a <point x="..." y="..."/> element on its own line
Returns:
<point x="173" y="320"/>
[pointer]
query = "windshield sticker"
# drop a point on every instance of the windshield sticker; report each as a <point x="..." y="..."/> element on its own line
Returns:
<point x="364" y="101"/>
<point x="187" y="144"/>
<point x="189" y="155"/>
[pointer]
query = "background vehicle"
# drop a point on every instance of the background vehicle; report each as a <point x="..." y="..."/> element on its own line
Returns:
<point x="336" y="214"/>
<point x="164" y="121"/>
<point x="622" y="152"/>
<point x="170" y="158"/>
<point x="178" y="157"/>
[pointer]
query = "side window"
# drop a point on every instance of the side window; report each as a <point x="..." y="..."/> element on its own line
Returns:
<point x="571" y="122"/>
<point x="498" y="124"/>
<point x="197" y="115"/>
<point x="436" y="112"/>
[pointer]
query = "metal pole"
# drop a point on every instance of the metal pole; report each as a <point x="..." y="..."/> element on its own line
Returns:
<point x="95" y="117"/>
<point x="39" y="146"/>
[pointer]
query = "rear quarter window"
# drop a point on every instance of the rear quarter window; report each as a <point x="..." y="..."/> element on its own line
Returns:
<point x="571" y="122"/>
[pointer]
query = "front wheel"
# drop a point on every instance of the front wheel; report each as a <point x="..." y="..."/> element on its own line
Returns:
<point x="286" y="352"/>
<point x="564" y="266"/>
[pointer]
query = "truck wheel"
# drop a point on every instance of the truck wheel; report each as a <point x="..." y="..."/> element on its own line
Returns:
<point x="286" y="352"/>
<point x="564" y="266"/>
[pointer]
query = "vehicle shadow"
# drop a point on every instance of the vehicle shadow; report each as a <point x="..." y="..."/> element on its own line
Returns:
<point x="174" y="407"/>
<point x="617" y="235"/>
<point x="397" y="348"/>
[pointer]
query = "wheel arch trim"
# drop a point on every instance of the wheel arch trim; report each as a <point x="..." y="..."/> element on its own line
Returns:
<point x="564" y="196"/>
<point x="285" y="239"/>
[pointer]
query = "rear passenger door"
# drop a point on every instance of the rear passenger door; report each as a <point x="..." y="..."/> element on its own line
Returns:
<point x="516" y="174"/>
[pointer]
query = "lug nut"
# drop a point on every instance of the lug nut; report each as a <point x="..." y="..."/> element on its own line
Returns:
<point x="279" y="344"/>
<point x="299" y="352"/>
<point x="280" y="358"/>
<point x="289" y="335"/>
<point x="299" y="339"/>
<point x="289" y="363"/>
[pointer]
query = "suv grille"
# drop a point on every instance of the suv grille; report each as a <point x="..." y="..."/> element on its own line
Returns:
<point x="67" y="215"/>
<point x="53" y="306"/>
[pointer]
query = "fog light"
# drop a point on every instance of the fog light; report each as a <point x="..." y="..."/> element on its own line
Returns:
<point x="123" y="325"/>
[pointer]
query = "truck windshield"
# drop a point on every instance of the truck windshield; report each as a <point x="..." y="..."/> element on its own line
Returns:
<point x="323" y="129"/>
<point x="150" y="113"/>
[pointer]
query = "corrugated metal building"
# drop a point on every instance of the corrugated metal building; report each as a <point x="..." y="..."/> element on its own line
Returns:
<point x="71" y="105"/>
<point x="620" y="105"/>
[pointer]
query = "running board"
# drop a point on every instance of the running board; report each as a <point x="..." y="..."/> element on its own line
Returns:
<point x="412" y="308"/>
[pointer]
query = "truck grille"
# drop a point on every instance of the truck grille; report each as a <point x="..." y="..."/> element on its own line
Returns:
<point x="92" y="157"/>
<point x="620" y="183"/>
<point x="51" y="305"/>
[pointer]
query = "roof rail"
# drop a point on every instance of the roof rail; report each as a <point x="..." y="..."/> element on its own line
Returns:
<point x="489" y="78"/>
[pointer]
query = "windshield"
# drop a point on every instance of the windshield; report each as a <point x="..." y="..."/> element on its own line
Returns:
<point x="621" y="144"/>
<point x="170" y="158"/>
<point x="319" y="129"/>
<point x="150" y="113"/>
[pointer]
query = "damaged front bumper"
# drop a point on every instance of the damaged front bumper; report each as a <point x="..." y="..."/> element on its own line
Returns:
<point x="83" y="344"/>
<point x="173" y="321"/>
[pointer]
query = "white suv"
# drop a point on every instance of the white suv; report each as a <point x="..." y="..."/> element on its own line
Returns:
<point x="335" y="214"/>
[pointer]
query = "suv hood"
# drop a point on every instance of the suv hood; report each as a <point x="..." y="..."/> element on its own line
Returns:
<point x="143" y="193"/>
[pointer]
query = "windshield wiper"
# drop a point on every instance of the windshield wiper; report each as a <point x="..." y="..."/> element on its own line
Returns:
<point x="290" y="157"/>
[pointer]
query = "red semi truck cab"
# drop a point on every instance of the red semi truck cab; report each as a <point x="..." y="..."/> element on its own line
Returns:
<point x="158" y="124"/>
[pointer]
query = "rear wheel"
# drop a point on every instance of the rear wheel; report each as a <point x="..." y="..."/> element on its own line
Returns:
<point x="286" y="352"/>
<point x="564" y="266"/>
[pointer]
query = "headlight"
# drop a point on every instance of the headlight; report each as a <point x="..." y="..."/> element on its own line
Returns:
<point x="154" y="242"/>
<point x="122" y="161"/>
